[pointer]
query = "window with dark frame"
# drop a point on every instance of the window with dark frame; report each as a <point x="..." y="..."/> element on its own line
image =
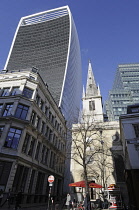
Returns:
<point x="32" y="143"/>
<point x="37" y="122"/>
<point x="7" y="110"/>
<point x="25" y="144"/>
<point x="5" y="92"/>
<point x="1" y="105"/>
<point x="41" y="104"/>
<point x="37" y="99"/>
<point x="42" y="127"/>
<point x="15" y="91"/>
<point x="91" y="105"/>
<point x="43" y="153"/>
<point x="13" y="137"/>
<point x="21" y="111"/>
<point x="136" y="129"/>
<point x="37" y="151"/>
<point x="27" y="92"/>
<point x="33" y="117"/>
<point x="47" y="151"/>
<point x="1" y="130"/>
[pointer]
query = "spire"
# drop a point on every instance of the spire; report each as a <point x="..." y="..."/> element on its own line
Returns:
<point x="83" y="94"/>
<point x="98" y="89"/>
<point x="91" y="88"/>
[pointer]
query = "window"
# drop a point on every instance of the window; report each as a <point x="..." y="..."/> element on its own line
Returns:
<point x="5" y="92"/>
<point x="41" y="104"/>
<point x="37" y="121"/>
<point x="33" y="117"/>
<point x="50" y="137"/>
<point x="13" y="138"/>
<point x="1" y="130"/>
<point x="46" y="156"/>
<point x="43" y="153"/>
<point x="89" y="159"/>
<point x="32" y="143"/>
<point x="31" y="181"/>
<point x="27" y="92"/>
<point x="15" y="91"/>
<point x="7" y="110"/>
<point x="136" y="129"/>
<point x="46" y="111"/>
<point x="21" y="111"/>
<point x="37" y="151"/>
<point x="91" y="105"/>
<point x="47" y="131"/>
<point x="43" y="126"/>
<point x="37" y="99"/>
<point x="25" y="145"/>
<point x="1" y="105"/>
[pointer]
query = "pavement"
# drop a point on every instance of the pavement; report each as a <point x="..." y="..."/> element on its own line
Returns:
<point x="33" y="207"/>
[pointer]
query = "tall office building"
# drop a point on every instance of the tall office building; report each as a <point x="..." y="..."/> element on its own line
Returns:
<point x="49" y="42"/>
<point x="125" y="91"/>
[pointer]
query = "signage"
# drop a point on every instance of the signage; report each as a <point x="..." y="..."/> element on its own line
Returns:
<point x="51" y="179"/>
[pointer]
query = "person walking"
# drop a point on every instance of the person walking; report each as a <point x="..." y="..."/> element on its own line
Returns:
<point x="18" y="200"/>
<point x="8" y="199"/>
<point x="68" y="201"/>
<point x="87" y="203"/>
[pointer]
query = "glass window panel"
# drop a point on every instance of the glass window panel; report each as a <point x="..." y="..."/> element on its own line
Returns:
<point x="21" y="111"/>
<point x="1" y="130"/>
<point x="7" y="110"/>
<point x="15" y="91"/>
<point x="13" y="138"/>
<point x="27" y="92"/>
<point x="26" y="141"/>
<point x="5" y="92"/>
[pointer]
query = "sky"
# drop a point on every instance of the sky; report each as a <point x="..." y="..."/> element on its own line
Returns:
<point x="108" y="32"/>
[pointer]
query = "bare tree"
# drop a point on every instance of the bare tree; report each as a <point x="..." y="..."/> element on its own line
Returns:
<point x="91" y="152"/>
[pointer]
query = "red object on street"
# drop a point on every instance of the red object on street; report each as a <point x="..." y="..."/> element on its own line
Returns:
<point x="51" y="179"/>
<point x="82" y="184"/>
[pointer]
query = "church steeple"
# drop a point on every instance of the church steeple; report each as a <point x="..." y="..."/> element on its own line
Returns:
<point x="92" y="100"/>
<point x="91" y="88"/>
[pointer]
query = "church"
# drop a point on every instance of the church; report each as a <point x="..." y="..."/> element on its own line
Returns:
<point x="96" y="144"/>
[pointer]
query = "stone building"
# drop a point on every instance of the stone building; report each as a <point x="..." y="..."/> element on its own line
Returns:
<point x="32" y="136"/>
<point x="129" y="125"/>
<point x="93" y="140"/>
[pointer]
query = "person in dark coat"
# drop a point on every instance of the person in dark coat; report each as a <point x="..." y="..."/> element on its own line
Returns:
<point x="8" y="199"/>
<point x="18" y="200"/>
<point x="87" y="203"/>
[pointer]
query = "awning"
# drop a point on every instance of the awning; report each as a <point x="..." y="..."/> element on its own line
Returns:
<point x="82" y="184"/>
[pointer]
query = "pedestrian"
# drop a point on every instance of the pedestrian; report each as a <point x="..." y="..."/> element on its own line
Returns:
<point x="68" y="201"/>
<point x="1" y="195"/>
<point x="87" y="203"/>
<point x="18" y="200"/>
<point x="8" y="199"/>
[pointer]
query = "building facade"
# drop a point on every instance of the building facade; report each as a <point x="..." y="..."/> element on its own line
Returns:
<point x="129" y="125"/>
<point x="92" y="141"/>
<point x="125" y="91"/>
<point x="32" y="137"/>
<point x="49" y="42"/>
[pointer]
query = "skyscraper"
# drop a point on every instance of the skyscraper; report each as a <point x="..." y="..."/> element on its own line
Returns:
<point x="125" y="91"/>
<point x="49" y="42"/>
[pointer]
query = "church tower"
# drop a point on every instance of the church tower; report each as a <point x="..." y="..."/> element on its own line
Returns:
<point x="92" y="100"/>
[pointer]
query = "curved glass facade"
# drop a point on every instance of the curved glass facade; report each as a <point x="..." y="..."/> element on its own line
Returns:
<point x="49" y="42"/>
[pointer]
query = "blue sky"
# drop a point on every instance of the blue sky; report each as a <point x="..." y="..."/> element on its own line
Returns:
<point x="108" y="32"/>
